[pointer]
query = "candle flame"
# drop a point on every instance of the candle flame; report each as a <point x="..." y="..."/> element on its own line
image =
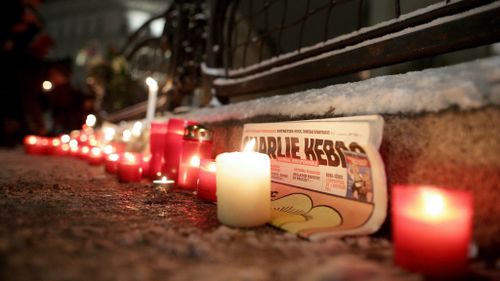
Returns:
<point x="113" y="157"/>
<point x="108" y="149"/>
<point x="91" y="120"/>
<point x="137" y="128"/>
<point x="249" y="146"/>
<point x="109" y="133"/>
<point x="65" y="147"/>
<point x="65" y="138"/>
<point x="31" y="140"/>
<point x="73" y="144"/>
<point x="46" y="86"/>
<point x="56" y="142"/>
<point x="126" y="135"/>
<point x="129" y="157"/>
<point x="163" y="180"/>
<point x="434" y="203"/>
<point x="85" y="149"/>
<point x="152" y="84"/>
<point x="195" y="161"/>
<point x="96" y="151"/>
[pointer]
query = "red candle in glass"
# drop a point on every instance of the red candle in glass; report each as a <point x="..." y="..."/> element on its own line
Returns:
<point x="64" y="149"/>
<point x="108" y="149"/>
<point x="73" y="148"/>
<point x="95" y="156"/>
<point x="32" y="145"/>
<point x="157" y="139"/>
<point x="173" y="146"/>
<point x="146" y="160"/>
<point x="54" y="146"/>
<point x="84" y="152"/>
<point x="45" y="145"/>
<point x="111" y="163"/>
<point x="196" y="144"/>
<point x="431" y="229"/>
<point x="130" y="167"/>
<point x="206" y="181"/>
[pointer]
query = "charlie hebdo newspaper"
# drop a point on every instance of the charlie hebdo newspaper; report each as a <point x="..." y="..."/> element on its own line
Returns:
<point x="328" y="178"/>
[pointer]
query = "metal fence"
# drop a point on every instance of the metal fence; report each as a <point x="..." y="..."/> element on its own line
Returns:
<point x="269" y="44"/>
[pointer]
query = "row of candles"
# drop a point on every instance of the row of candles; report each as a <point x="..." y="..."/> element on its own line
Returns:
<point x="431" y="226"/>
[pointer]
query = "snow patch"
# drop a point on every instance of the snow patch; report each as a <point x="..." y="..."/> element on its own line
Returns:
<point x="466" y="86"/>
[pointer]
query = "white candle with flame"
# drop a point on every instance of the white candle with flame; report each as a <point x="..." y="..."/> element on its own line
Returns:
<point x="243" y="187"/>
<point x="153" y="92"/>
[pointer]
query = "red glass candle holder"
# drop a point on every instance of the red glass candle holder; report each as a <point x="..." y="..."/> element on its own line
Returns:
<point x="111" y="163"/>
<point x="130" y="167"/>
<point x="32" y="145"/>
<point x="196" y="144"/>
<point x="95" y="156"/>
<point x="54" y="146"/>
<point x="431" y="229"/>
<point x="74" y="150"/>
<point x="146" y="162"/>
<point x="45" y="145"/>
<point x="206" y="181"/>
<point x="84" y="152"/>
<point x="64" y="149"/>
<point x="157" y="139"/>
<point x="173" y="146"/>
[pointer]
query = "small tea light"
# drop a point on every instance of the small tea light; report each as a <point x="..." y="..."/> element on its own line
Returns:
<point x="431" y="229"/>
<point x="111" y="163"/>
<point x="206" y="181"/>
<point x="95" y="156"/>
<point x="130" y="167"/>
<point x="243" y="187"/>
<point x="163" y="184"/>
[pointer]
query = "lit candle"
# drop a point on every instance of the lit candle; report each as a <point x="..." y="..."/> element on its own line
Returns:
<point x="431" y="229"/>
<point x="95" y="156"/>
<point x="64" y="149"/>
<point x="243" y="187"/>
<point x="44" y="144"/>
<point x="54" y="147"/>
<point x="152" y="93"/>
<point x="163" y="184"/>
<point x="173" y="145"/>
<point x="73" y="148"/>
<point x="196" y="144"/>
<point x="130" y="167"/>
<point x="108" y="149"/>
<point x="84" y="152"/>
<point x="111" y="163"/>
<point x="158" y="134"/>
<point x="32" y="145"/>
<point x="146" y="159"/>
<point x="206" y="181"/>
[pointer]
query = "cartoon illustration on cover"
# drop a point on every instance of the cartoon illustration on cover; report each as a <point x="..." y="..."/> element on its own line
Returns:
<point x="359" y="179"/>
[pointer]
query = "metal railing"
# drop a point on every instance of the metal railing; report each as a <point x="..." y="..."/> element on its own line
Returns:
<point x="273" y="44"/>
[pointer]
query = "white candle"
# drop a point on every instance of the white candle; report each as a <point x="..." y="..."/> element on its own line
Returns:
<point x="243" y="188"/>
<point x="152" y="93"/>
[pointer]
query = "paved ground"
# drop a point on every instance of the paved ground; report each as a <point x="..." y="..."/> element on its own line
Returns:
<point x="61" y="219"/>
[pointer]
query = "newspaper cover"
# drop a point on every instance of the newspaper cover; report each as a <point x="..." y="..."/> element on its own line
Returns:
<point x="328" y="178"/>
